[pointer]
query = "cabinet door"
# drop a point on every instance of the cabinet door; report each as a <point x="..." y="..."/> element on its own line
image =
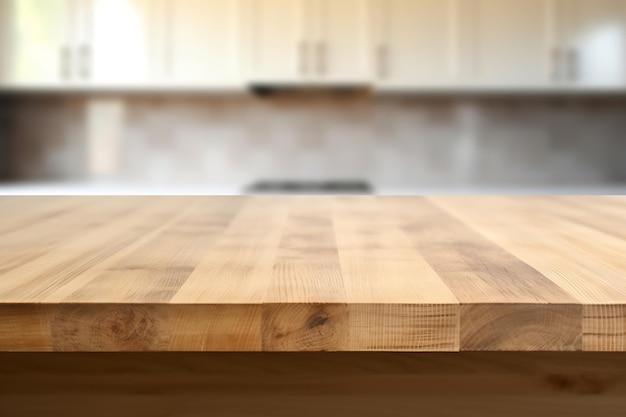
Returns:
<point x="416" y="42"/>
<point x="122" y="50"/>
<point x="341" y="43"/>
<point x="277" y="47"/>
<point x="204" y="42"/>
<point x="37" y="46"/>
<point x="506" y="43"/>
<point x="594" y="46"/>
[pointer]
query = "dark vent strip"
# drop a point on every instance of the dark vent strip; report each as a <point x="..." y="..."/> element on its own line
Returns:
<point x="310" y="187"/>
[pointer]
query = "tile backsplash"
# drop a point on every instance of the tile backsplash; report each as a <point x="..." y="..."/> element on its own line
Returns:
<point x="391" y="141"/>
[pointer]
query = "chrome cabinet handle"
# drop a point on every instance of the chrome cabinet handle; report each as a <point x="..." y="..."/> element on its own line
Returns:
<point x="302" y="58"/>
<point x="85" y="62"/>
<point x="65" y="62"/>
<point x="383" y="58"/>
<point x="555" y="64"/>
<point x="572" y="64"/>
<point x="321" y="58"/>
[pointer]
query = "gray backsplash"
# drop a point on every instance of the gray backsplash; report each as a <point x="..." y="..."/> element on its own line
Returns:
<point x="391" y="141"/>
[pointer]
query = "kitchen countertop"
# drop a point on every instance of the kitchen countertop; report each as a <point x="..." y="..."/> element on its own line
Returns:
<point x="111" y="187"/>
<point x="324" y="273"/>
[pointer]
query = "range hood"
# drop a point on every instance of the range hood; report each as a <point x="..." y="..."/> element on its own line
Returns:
<point x="267" y="89"/>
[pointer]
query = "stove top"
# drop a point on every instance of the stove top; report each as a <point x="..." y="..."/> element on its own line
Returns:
<point x="310" y="187"/>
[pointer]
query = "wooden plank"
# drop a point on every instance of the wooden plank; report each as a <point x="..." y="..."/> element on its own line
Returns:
<point x="305" y="304"/>
<point x="397" y="301"/>
<point x="239" y="265"/>
<point x="24" y="327"/>
<point x="490" y="283"/>
<point x="64" y="265"/>
<point x="108" y="328"/>
<point x="306" y="269"/>
<point x="230" y="282"/>
<point x="53" y="222"/>
<point x="564" y="241"/>
<point x="18" y="212"/>
<point x="214" y="328"/>
<point x="154" y="268"/>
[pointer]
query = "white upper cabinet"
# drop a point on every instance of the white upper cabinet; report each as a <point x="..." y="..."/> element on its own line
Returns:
<point x="392" y="44"/>
<point x="275" y="40"/>
<point x="120" y="43"/>
<point x="37" y="42"/>
<point x="592" y="42"/>
<point x="76" y="43"/>
<point x="166" y="43"/>
<point x="122" y="48"/>
<point x="499" y="44"/>
<point x="203" y="48"/>
<point x="506" y="43"/>
<point x="339" y="44"/>
<point x="415" y="43"/>
<point x="307" y="41"/>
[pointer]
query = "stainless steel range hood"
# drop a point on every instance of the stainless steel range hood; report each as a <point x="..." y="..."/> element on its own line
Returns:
<point x="272" y="89"/>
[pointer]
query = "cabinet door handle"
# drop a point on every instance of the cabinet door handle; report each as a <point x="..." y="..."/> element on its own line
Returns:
<point x="302" y="58"/>
<point x="555" y="64"/>
<point x="383" y="58"/>
<point x="321" y="58"/>
<point x="572" y="64"/>
<point x="65" y="62"/>
<point x="85" y="62"/>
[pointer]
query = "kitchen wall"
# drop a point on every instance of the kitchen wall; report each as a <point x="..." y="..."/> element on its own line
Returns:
<point x="391" y="141"/>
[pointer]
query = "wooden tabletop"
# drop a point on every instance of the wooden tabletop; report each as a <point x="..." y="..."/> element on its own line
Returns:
<point x="312" y="273"/>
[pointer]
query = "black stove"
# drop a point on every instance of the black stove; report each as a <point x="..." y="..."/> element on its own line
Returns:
<point x="310" y="187"/>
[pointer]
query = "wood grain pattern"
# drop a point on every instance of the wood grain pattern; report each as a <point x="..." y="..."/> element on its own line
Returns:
<point x="326" y="273"/>
<point x="575" y="242"/>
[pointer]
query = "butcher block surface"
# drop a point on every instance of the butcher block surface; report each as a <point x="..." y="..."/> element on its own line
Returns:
<point x="313" y="273"/>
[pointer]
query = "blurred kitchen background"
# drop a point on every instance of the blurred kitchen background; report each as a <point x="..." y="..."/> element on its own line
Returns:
<point x="384" y="96"/>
